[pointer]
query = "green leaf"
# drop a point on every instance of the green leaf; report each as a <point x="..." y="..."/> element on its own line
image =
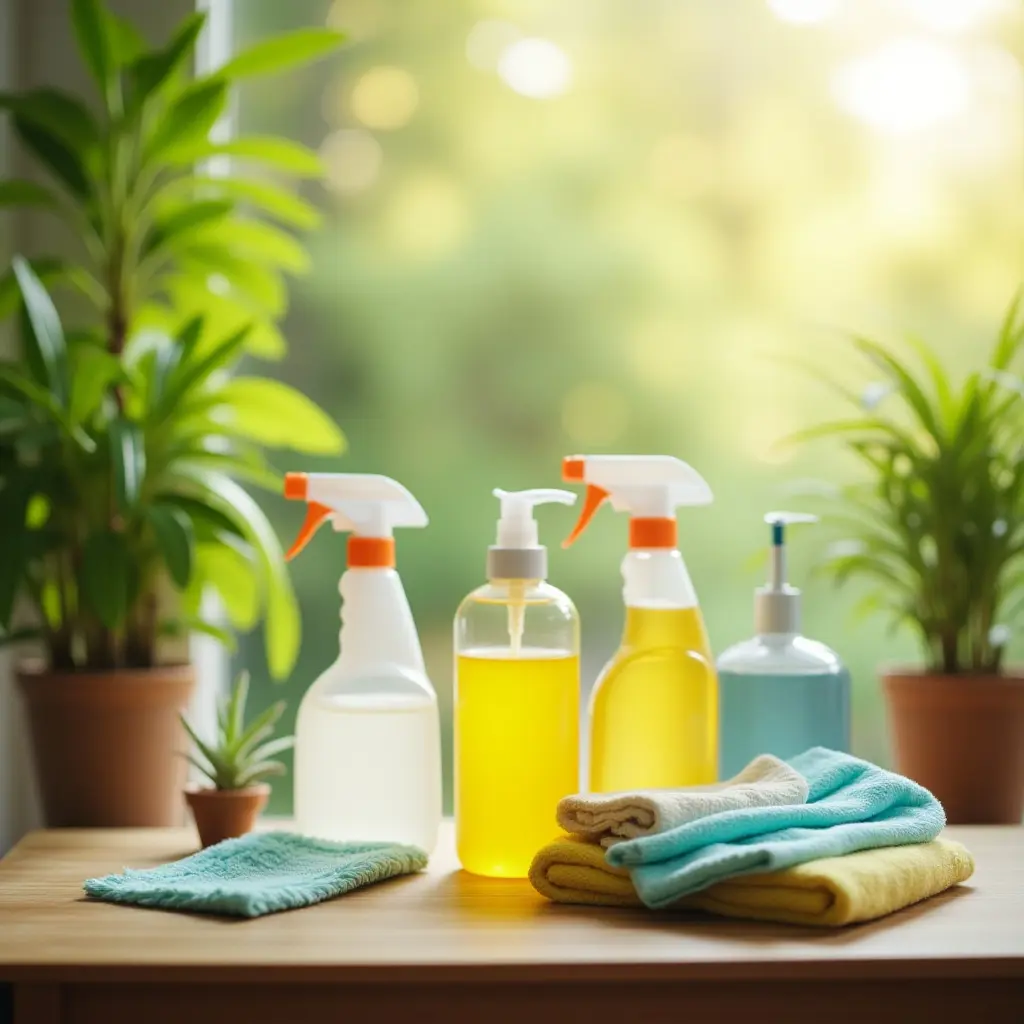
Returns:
<point x="259" y="729"/>
<point x="283" y="51"/>
<point x="287" y="207"/>
<point x="188" y="119"/>
<point x="89" y="20"/>
<point x="268" y="750"/>
<point x="58" y="113"/>
<point x="57" y="157"/>
<point x="128" y="458"/>
<point x="125" y="41"/>
<point x="234" y="275"/>
<point x="1011" y="334"/>
<point x="223" y="636"/>
<point x="174" y="535"/>
<point x="18" y="192"/>
<point x="47" y="269"/>
<point x="184" y="221"/>
<point x="236" y="708"/>
<point x="151" y="70"/>
<point x="260" y="770"/>
<point x="279" y="154"/>
<point x="260" y="242"/>
<point x="282" y="628"/>
<point x="193" y="373"/>
<point x="212" y="755"/>
<point x="93" y="371"/>
<point x="277" y="415"/>
<point x="233" y="576"/>
<point x="16" y="381"/>
<point x="47" y="336"/>
<point x="14" y="499"/>
<point x="106" y="576"/>
<point x="203" y="514"/>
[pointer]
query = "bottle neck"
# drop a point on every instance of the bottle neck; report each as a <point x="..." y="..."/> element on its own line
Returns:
<point x="656" y="578"/>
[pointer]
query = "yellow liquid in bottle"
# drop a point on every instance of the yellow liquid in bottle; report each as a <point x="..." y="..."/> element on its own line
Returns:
<point x="654" y="711"/>
<point x="516" y="755"/>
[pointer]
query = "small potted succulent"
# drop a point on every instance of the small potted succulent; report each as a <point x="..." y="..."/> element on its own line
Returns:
<point x="236" y="763"/>
<point x="936" y="526"/>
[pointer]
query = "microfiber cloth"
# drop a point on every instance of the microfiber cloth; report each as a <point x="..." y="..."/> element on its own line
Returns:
<point x="258" y="874"/>
<point x="611" y="817"/>
<point x="851" y="805"/>
<point x="829" y="893"/>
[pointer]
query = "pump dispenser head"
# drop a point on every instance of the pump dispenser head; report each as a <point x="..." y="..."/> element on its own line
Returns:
<point x="777" y="604"/>
<point x="367" y="505"/>
<point x="518" y="555"/>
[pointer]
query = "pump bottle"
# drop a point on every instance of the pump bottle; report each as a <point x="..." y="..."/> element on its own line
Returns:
<point x="782" y="693"/>
<point x="516" y="699"/>
<point x="367" y="739"/>
<point x="654" y="707"/>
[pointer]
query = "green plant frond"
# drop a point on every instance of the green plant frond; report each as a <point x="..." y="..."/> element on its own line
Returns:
<point x="261" y="770"/>
<point x="208" y="770"/>
<point x="1011" y="334"/>
<point x="273" y="748"/>
<point x="282" y="52"/>
<point x="151" y="70"/>
<point x="269" y="151"/>
<point x="907" y="385"/>
<point x="236" y="709"/>
<point x="261" y="727"/>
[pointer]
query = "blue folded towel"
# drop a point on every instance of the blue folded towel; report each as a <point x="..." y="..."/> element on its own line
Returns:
<point x="258" y="874"/>
<point x="851" y="805"/>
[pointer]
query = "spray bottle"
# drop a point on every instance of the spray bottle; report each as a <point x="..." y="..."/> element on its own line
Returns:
<point x="781" y="692"/>
<point x="367" y="739"/>
<point x="654" y="708"/>
<point x="516" y="699"/>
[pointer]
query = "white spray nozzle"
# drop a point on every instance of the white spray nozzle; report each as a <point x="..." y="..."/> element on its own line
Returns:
<point x="365" y="504"/>
<point x="778" y="521"/>
<point x="517" y="527"/>
<point x="645" y="486"/>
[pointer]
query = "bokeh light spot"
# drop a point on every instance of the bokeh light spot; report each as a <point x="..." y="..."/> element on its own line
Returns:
<point x="385" y="98"/>
<point x="536" y="68"/>
<point x="352" y="158"/>
<point x="428" y="217"/>
<point x="594" y="413"/>
<point x="903" y="86"/>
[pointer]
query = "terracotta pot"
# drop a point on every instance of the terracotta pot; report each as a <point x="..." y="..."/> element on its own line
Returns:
<point x="108" y="745"/>
<point x="962" y="737"/>
<point x="226" y="813"/>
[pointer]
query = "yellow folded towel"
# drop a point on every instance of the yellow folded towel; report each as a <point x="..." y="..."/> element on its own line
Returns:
<point x="831" y="892"/>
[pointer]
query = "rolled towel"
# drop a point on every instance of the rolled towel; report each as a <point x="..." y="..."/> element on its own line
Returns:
<point x="852" y="805"/>
<point x="608" y="818"/>
<point x="827" y="893"/>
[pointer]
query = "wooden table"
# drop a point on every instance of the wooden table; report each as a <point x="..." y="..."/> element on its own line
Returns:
<point x="451" y="947"/>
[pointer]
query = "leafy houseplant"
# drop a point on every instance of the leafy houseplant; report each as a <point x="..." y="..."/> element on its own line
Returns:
<point x="242" y="755"/>
<point x="125" y="432"/>
<point x="936" y="527"/>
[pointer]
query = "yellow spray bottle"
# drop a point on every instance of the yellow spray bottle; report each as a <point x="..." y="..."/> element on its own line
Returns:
<point x="654" y="708"/>
<point x="517" y="699"/>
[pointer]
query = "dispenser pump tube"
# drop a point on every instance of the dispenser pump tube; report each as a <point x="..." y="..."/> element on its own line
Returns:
<point x="777" y="605"/>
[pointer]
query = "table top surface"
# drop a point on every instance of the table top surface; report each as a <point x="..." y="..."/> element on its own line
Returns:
<point x="445" y="924"/>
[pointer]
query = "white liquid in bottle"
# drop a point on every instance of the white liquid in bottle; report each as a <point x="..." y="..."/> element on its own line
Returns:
<point x="366" y="768"/>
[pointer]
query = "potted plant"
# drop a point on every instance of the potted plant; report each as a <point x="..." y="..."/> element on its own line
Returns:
<point x="235" y="763"/>
<point x="124" y="438"/>
<point x="936" y="526"/>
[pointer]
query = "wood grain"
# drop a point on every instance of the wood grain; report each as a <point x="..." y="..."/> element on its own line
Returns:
<point x="445" y="926"/>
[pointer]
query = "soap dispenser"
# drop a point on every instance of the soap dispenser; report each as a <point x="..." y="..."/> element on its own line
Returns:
<point x="517" y="699"/>
<point x="781" y="693"/>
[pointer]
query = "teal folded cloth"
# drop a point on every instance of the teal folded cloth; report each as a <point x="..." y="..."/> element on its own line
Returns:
<point x="851" y="805"/>
<point x="258" y="874"/>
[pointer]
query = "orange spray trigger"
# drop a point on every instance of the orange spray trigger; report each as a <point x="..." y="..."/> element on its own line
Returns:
<point x="316" y="515"/>
<point x="595" y="498"/>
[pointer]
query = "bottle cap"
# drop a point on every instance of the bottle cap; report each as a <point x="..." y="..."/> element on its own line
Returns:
<point x="518" y="554"/>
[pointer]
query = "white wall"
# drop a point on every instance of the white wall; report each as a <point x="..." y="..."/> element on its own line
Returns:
<point x="37" y="48"/>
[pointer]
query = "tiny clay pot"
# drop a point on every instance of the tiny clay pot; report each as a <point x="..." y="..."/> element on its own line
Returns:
<point x="226" y="813"/>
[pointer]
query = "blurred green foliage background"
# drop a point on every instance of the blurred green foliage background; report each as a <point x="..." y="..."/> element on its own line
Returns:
<point x="623" y="238"/>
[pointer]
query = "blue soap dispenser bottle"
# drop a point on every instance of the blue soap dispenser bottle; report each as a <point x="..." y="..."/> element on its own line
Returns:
<point x="780" y="692"/>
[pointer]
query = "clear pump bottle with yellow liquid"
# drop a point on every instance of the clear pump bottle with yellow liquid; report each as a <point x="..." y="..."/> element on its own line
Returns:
<point x="516" y="699"/>
<point x="654" y="707"/>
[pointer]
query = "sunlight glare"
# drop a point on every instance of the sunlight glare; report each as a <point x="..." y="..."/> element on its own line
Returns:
<point x="803" y="12"/>
<point x="385" y="97"/>
<point x="536" y="68"/>
<point x="903" y="86"/>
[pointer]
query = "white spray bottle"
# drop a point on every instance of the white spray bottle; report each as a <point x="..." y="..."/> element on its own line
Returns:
<point x="367" y="739"/>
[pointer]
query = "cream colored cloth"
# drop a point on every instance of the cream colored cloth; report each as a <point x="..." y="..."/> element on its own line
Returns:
<point x="608" y="818"/>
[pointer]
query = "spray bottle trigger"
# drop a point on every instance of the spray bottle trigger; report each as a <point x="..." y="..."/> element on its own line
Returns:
<point x="595" y="498"/>
<point x="316" y="515"/>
